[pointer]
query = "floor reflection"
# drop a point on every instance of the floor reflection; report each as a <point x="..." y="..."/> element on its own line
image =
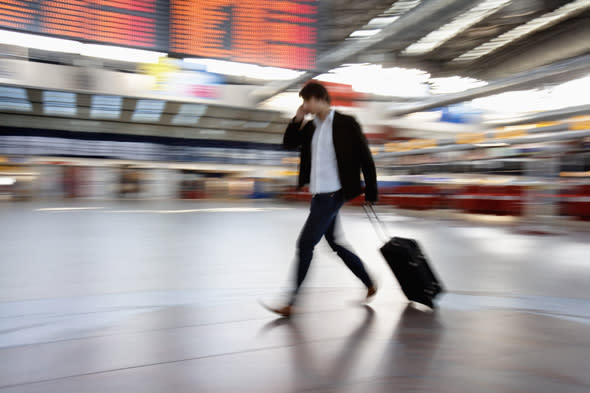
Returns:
<point x="337" y="365"/>
<point x="408" y="355"/>
<point x="311" y="371"/>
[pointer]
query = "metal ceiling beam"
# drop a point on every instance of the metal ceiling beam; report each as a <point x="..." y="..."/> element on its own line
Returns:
<point x="350" y="48"/>
<point x="553" y="45"/>
<point x="577" y="66"/>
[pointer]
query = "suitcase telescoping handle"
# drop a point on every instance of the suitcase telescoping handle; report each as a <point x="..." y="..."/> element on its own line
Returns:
<point x="378" y="225"/>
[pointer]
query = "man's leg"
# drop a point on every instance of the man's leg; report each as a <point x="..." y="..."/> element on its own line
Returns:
<point x="324" y="208"/>
<point x="351" y="260"/>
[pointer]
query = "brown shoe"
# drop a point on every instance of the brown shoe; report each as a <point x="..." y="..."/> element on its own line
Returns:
<point x="285" y="311"/>
<point x="371" y="293"/>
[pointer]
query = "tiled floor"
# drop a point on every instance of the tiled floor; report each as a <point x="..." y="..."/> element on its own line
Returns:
<point x="164" y="297"/>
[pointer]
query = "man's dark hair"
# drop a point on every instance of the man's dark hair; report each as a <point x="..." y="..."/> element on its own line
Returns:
<point x="316" y="90"/>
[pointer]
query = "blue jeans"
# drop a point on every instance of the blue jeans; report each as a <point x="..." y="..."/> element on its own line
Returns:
<point x="322" y="222"/>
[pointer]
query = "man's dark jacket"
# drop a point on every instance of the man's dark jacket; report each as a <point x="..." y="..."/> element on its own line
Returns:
<point x="352" y="155"/>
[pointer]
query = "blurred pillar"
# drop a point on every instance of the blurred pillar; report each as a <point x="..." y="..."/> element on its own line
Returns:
<point x="540" y="201"/>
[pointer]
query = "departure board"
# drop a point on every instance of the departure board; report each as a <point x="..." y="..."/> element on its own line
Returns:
<point x="280" y="33"/>
<point x="273" y="33"/>
<point x="132" y="23"/>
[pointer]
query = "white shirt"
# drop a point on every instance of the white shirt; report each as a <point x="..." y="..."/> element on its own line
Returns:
<point x="324" y="167"/>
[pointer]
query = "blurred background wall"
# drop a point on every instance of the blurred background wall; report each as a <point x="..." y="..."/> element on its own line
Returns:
<point x="471" y="106"/>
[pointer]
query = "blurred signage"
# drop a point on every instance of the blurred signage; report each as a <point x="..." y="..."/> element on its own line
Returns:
<point x="415" y="160"/>
<point x="507" y="133"/>
<point x="342" y="95"/>
<point x="470" y="137"/>
<point x="460" y="113"/>
<point x="178" y="78"/>
<point x="271" y="33"/>
<point x="133" y="23"/>
<point x="413" y="144"/>
<point x="580" y="123"/>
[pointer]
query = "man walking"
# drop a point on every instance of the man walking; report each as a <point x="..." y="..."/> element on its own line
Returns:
<point x="334" y="151"/>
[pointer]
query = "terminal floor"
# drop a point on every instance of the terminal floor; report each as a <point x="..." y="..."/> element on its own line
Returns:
<point x="165" y="297"/>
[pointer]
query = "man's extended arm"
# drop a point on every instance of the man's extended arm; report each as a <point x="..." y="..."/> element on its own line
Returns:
<point x="367" y="165"/>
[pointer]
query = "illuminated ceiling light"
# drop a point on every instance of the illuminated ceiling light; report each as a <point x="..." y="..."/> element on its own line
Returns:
<point x="402" y="6"/>
<point x="59" y="103"/>
<point x="543" y="21"/>
<point x="436" y="38"/>
<point x="106" y="107"/>
<point x="39" y="42"/>
<point x="245" y="69"/>
<point x="376" y="24"/>
<point x="364" y="33"/>
<point x="382" y="21"/>
<point x="148" y="110"/>
<point x="374" y="79"/>
<point x="7" y="181"/>
<point x="568" y="94"/>
<point x="52" y="44"/>
<point x="120" y="53"/>
<point x="285" y="101"/>
<point x="512" y="102"/>
<point x="453" y="84"/>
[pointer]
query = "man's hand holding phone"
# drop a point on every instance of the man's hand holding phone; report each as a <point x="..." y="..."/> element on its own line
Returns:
<point x="300" y="115"/>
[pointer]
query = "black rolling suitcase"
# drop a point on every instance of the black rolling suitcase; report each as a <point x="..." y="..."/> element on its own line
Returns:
<point x="410" y="267"/>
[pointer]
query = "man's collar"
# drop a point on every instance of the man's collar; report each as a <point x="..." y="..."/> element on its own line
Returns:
<point x="330" y="117"/>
